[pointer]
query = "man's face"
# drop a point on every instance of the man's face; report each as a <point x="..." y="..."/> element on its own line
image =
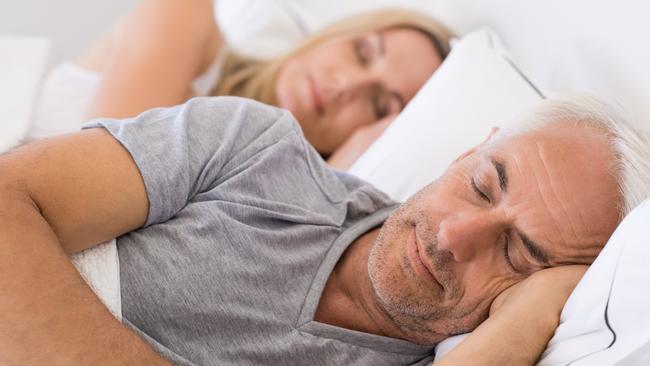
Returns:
<point x="497" y="215"/>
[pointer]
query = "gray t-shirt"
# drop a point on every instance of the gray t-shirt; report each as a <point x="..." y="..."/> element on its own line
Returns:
<point x="246" y="223"/>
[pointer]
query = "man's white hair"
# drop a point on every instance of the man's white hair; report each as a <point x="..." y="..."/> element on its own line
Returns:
<point x="630" y="144"/>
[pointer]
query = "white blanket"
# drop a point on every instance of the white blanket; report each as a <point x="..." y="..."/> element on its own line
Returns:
<point x="100" y="267"/>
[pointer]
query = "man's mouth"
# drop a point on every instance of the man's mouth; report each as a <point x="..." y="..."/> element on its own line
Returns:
<point x="419" y="261"/>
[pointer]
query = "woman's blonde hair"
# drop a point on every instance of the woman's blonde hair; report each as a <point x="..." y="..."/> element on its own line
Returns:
<point x="255" y="79"/>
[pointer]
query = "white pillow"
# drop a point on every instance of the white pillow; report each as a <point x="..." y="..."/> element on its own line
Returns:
<point x="564" y="46"/>
<point x="261" y="29"/>
<point x="476" y="88"/>
<point x="606" y="320"/>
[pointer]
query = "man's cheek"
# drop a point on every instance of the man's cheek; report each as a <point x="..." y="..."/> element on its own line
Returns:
<point x="478" y="297"/>
<point x="471" y="313"/>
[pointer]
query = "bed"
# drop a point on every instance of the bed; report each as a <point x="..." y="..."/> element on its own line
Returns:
<point x="546" y="48"/>
<point x="522" y="52"/>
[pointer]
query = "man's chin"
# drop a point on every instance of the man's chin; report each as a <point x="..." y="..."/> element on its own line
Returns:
<point x="421" y="322"/>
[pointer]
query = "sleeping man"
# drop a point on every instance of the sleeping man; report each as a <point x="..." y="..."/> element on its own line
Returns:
<point x="238" y="245"/>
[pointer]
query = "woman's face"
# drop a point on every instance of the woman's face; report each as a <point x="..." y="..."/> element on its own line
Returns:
<point x="346" y="82"/>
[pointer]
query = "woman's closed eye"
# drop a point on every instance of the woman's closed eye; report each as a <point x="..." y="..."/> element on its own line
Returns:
<point x="384" y="104"/>
<point x="363" y="51"/>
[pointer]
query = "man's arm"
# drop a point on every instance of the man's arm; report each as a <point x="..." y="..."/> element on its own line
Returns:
<point x="522" y="320"/>
<point x="61" y="196"/>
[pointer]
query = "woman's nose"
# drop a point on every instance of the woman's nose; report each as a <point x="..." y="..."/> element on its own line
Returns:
<point x="348" y="85"/>
<point x="469" y="235"/>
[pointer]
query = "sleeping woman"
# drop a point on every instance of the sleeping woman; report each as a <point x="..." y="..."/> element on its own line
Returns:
<point x="344" y="85"/>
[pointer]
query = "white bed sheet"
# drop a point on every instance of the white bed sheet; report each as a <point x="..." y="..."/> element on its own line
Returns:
<point x="100" y="268"/>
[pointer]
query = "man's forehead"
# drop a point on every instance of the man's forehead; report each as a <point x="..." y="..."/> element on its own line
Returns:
<point x="561" y="186"/>
<point x="558" y="132"/>
<point x="549" y="151"/>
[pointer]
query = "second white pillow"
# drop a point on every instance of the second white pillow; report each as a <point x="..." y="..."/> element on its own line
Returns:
<point x="476" y="88"/>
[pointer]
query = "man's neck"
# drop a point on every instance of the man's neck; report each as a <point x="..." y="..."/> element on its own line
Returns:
<point x="347" y="300"/>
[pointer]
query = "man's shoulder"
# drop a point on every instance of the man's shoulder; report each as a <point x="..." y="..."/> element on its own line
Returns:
<point x="239" y="108"/>
<point x="233" y="102"/>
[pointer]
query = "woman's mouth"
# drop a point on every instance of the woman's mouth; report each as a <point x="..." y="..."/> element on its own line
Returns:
<point x="316" y="96"/>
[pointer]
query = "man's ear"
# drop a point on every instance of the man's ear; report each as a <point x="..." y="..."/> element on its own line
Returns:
<point x="471" y="151"/>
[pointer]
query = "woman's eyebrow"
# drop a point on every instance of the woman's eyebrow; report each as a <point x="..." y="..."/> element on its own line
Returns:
<point x="380" y="42"/>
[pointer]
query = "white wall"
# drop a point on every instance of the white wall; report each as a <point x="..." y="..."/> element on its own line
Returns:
<point x="72" y="25"/>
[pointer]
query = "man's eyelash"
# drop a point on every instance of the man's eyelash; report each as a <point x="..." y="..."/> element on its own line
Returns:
<point x="506" y="246"/>
<point x="479" y="192"/>
<point x="506" y="243"/>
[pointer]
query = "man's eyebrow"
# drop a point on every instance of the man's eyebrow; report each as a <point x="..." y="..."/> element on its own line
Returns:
<point x="534" y="249"/>
<point x="500" y="167"/>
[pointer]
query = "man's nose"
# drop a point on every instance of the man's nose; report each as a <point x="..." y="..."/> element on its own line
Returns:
<point x="469" y="235"/>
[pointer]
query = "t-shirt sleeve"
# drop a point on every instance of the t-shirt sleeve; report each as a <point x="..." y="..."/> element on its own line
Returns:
<point x="184" y="150"/>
